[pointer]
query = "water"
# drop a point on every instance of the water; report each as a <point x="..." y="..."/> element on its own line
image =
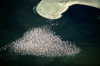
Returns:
<point x="83" y="31"/>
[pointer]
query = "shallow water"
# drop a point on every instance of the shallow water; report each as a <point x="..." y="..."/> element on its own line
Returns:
<point x="80" y="24"/>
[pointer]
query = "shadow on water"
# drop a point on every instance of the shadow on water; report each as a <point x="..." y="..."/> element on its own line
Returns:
<point x="79" y="24"/>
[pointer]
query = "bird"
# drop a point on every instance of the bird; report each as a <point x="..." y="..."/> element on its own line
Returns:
<point x="43" y="42"/>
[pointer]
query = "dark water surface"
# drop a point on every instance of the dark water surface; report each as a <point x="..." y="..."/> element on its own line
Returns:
<point x="79" y="24"/>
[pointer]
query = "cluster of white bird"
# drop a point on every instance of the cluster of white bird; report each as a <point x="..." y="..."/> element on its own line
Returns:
<point x="41" y="41"/>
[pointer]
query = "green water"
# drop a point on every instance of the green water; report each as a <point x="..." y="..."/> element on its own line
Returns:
<point x="80" y="24"/>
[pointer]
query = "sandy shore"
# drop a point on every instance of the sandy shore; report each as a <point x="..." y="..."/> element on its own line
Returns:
<point x="52" y="9"/>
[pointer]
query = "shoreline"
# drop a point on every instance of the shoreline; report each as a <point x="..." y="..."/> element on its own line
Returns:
<point x="51" y="9"/>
